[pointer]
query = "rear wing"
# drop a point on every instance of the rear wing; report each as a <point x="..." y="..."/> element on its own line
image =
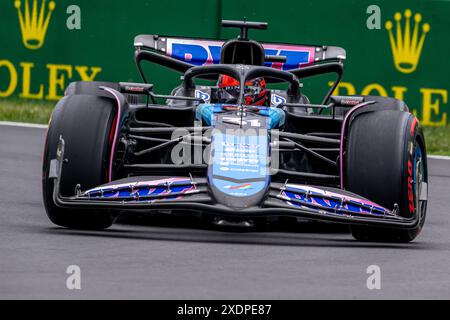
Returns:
<point x="199" y="52"/>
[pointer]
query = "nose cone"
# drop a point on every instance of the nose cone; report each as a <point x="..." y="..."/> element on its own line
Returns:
<point x="238" y="171"/>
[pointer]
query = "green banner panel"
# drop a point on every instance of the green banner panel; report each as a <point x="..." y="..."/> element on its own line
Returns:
<point x="394" y="48"/>
<point x="40" y="56"/>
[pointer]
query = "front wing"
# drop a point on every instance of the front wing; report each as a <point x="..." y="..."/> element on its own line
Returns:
<point x="189" y="194"/>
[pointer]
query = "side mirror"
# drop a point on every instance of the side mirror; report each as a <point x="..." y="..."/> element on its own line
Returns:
<point x="135" y="88"/>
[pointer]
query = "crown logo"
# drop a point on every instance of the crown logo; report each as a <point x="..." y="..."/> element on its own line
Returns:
<point x="33" y="24"/>
<point x="407" y="47"/>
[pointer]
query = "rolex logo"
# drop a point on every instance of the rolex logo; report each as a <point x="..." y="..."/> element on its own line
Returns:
<point x="407" y="44"/>
<point x="34" y="22"/>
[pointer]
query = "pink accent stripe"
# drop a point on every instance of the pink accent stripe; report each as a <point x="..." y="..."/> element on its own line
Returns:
<point x="344" y="125"/>
<point x="413" y="126"/>
<point x="113" y="147"/>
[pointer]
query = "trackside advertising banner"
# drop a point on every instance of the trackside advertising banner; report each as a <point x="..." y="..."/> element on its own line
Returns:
<point x="393" y="48"/>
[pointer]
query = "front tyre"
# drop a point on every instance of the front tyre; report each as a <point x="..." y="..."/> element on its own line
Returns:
<point x="386" y="163"/>
<point x="86" y="123"/>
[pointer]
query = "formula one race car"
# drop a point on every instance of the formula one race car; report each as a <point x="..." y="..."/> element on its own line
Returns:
<point x="223" y="145"/>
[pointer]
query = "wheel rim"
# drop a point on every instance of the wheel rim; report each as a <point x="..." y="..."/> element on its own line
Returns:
<point x="418" y="182"/>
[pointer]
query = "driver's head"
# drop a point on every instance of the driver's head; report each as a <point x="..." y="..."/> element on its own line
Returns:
<point x="255" y="92"/>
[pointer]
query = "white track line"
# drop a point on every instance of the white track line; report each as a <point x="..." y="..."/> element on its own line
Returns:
<point x="439" y="157"/>
<point x="43" y="126"/>
<point x="23" y="125"/>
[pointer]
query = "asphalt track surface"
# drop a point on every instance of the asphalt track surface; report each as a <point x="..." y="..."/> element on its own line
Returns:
<point x="180" y="259"/>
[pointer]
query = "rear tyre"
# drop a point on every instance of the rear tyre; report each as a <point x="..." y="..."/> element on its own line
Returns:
<point x="86" y="123"/>
<point x="386" y="163"/>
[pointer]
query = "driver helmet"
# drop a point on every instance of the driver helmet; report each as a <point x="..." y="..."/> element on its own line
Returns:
<point x="255" y="92"/>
